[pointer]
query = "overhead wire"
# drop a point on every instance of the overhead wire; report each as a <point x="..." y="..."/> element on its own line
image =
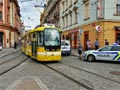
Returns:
<point x="41" y="3"/>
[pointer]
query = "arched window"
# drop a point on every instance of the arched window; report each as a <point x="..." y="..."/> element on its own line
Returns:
<point x="0" y="16"/>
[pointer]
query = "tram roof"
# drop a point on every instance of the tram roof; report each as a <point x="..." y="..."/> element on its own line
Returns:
<point x="42" y="28"/>
<point x="31" y="30"/>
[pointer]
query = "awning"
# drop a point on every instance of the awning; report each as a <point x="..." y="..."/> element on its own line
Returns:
<point x="74" y="30"/>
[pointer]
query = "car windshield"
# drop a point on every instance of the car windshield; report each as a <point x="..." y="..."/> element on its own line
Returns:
<point x="106" y="48"/>
<point x="52" y="37"/>
<point x="65" y="43"/>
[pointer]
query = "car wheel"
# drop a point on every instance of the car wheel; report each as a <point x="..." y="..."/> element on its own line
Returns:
<point x="91" y="58"/>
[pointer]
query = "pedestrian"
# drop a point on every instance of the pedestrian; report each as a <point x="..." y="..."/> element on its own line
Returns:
<point x="106" y="42"/>
<point x="15" y="45"/>
<point x="96" y="44"/>
<point x="115" y="44"/>
<point x="80" y="50"/>
<point x="89" y="45"/>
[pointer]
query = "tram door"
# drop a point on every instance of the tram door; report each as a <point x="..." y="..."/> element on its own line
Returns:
<point x="34" y="44"/>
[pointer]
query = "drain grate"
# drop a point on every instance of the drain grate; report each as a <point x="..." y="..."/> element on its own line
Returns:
<point x="115" y="72"/>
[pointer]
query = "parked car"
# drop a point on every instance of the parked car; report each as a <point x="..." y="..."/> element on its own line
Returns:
<point x="109" y="52"/>
<point x="0" y="46"/>
<point x="66" y="47"/>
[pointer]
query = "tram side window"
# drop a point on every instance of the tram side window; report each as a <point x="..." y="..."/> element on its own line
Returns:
<point x="33" y="35"/>
<point x="40" y="38"/>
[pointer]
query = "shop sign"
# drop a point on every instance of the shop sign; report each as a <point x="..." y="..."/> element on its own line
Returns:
<point x="74" y="30"/>
<point x="98" y="28"/>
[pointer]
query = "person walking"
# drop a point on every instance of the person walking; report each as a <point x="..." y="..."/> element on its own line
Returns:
<point x="15" y="45"/>
<point x="80" y="50"/>
<point x="96" y="44"/>
<point x="89" y="45"/>
<point x="106" y="42"/>
<point x="115" y="44"/>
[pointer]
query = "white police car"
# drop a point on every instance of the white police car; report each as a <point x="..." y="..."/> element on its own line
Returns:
<point x="109" y="52"/>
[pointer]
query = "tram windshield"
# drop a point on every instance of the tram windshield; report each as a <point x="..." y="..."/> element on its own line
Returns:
<point x="52" y="37"/>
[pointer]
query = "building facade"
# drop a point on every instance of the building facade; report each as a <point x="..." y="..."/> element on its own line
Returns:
<point x="51" y="12"/>
<point x="88" y="20"/>
<point x="10" y="23"/>
<point x="95" y="19"/>
<point x="68" y="21"/>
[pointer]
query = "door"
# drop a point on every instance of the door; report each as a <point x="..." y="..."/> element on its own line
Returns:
<point x="1" y="37"/>
<point x="118" y="38"/>
<point x="86" y="33"/>
<point x="34" y="44"/>
<point x="105" y="53"/>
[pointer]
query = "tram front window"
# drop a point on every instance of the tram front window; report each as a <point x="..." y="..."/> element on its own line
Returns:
<point x="52" y="37"/>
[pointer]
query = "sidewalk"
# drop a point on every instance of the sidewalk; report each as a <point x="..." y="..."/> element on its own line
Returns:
<point x="74" y="52"/>
<point x="6" y="51"/>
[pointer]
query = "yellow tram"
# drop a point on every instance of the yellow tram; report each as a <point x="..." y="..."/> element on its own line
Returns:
<point x="43" y="43"/>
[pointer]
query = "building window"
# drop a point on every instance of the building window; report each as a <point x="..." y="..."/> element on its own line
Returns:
<point x="75" y="16"/>
<point x="63" y="6"/>
<point x="86" y="10"/>
<point x="70" y="2"/>
<point x="66" y="20"/>
<point x="66" y="4"/>
<point x="118" y="9"/>
<point x="0" y="16"/>
<point x="71" y="19"/>
<point x="63" y="22"/>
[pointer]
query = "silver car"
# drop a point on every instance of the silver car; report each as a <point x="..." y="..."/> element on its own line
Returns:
<point x="109" y="52"/>
<point x="65" y="47"/>
<point x="0" y="46"/>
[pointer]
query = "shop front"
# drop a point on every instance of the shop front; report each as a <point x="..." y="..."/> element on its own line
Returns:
<point x="74" y="37"/>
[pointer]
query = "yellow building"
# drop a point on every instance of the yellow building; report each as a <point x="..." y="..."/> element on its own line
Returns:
<point x="110" y="30"/>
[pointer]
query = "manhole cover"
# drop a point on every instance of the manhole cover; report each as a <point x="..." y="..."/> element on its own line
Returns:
<point x="115" y="72"/>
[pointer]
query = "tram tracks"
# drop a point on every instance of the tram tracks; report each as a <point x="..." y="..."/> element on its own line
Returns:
<point x="92" y="73"/>
<point x="8" y="63"/>
<point x="7" y="58"/>
<point x="84" y="78"/>
<point x="70" y="78"/>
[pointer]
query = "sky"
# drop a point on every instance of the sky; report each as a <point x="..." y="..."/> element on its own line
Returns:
<point x="30" y="15"/>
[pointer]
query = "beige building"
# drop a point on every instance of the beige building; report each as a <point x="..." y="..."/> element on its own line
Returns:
<point x="10" y="23"/>
<point x="68" y="21"/>
<point x="82" y="20"/>
<point x="51" y="12"/>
